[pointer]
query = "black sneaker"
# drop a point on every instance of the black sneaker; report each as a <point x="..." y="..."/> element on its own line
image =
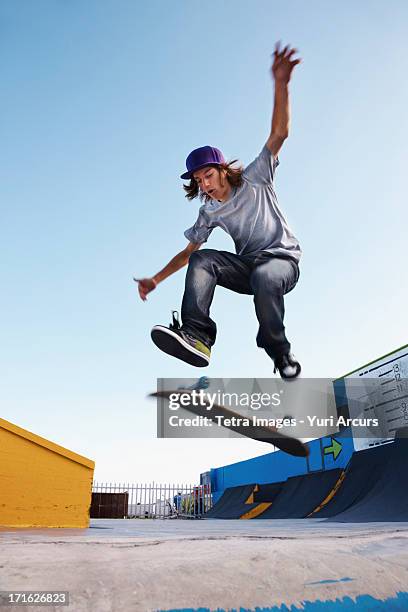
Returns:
<point x="174" y="341"/>
<point x="287" y="366"/>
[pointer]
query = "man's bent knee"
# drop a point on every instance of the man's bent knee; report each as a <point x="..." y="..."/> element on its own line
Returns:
<point x="266" y="279"/>
<point x="276" y="277"/>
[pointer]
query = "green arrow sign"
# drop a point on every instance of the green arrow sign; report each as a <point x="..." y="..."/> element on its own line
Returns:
<point x="334" y="449"/>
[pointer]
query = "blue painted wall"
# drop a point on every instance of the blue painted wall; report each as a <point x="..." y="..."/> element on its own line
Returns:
<point x="278" y="466"/>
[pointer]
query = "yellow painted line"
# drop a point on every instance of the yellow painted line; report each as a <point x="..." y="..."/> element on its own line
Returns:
<point x="250" y="499"/>
<point x="55" y="448"/>
<point x="256" y="511"/>
<point x="331" y="494"/>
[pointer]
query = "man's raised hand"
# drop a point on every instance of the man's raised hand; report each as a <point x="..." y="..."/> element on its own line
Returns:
<point x="145" y="286"/>
<point x="283" y="63"/>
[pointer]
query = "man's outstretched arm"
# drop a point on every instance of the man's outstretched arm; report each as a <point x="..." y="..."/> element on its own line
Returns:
<point x="282" y="67"/>
<point x="146" y="285"/>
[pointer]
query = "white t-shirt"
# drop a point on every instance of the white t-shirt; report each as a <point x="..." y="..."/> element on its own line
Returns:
<point x="251" y="215"/>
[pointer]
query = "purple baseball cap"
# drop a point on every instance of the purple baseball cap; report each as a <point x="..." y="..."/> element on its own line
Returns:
<point x="199" y="158"/>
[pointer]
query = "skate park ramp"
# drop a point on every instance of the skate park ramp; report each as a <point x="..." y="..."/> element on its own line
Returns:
<point x="300" y="495"/>
<point x="234" y="502"/>
<point x="295" y="498"/>
<point x="374" y="488"/>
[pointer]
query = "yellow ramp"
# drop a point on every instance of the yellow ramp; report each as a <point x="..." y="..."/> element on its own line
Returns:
<point x="259" y="509"/>
<point x="42" y="484"/>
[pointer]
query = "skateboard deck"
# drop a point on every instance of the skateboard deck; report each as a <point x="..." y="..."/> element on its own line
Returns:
<point x="261" y="433"/>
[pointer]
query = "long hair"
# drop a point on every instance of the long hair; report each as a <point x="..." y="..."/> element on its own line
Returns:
<point x="233" y="174"/>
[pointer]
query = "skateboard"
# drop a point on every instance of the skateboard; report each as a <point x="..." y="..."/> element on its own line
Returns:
<point x="261" y="433"/>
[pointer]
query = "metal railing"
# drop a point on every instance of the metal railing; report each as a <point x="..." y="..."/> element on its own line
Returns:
<point x="138" y="501"/>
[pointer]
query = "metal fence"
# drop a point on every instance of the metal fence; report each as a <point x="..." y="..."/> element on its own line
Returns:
<point x="139" y="501"/>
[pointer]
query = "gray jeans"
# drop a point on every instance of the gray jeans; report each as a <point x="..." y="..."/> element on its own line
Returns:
<point x="266" y="277"/>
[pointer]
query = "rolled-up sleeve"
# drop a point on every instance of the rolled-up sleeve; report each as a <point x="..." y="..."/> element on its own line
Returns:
<point x="200" y="231"/>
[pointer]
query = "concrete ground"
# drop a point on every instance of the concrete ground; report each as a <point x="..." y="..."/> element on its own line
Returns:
<point x="143" y="565"/>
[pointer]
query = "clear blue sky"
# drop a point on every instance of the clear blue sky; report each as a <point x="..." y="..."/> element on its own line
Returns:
<point x="100" y="104"/>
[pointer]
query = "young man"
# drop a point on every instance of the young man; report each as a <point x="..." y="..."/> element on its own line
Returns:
<point x="244" y="204"/>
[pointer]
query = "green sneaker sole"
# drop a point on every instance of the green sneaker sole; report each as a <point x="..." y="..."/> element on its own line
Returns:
<point x="173" y="344"/>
